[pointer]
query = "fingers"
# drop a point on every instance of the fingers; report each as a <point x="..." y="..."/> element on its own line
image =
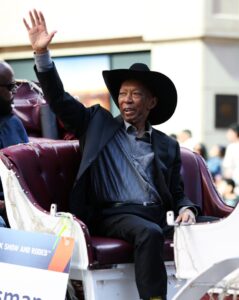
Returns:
<point x="186" y="218"/>
<point x="36" y="19"/>
<point x="26" y="24"/>
<point x="179" y="219"/>
<point x="51" y="35"/>
<point x="37" y="31"/>
<point x="42" y="19"/>
<point x="32" y="19"/>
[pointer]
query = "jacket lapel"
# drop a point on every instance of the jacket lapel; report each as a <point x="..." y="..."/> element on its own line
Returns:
<point x="100" y="131"/>
<point x="160" y="148"/>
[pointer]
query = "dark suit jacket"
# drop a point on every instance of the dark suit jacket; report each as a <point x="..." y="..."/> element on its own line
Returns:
<point x="94" y="127"/>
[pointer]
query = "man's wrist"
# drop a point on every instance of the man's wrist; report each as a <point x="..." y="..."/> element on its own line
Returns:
<point x="43" y="61"/>
<point x="191" y="208"/>
<point x="40" y="51"/>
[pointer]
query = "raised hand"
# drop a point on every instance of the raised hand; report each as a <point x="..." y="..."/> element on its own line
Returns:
<point x="38" y="35"/>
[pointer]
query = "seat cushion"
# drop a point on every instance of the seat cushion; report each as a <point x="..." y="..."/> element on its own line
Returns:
<point x="109" y="251"/>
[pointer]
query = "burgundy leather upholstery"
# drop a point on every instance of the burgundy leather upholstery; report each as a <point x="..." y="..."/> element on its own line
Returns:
<point x="33" y="110"/>
<point x="109" y="251"/>
<point x="199" y="187"/>
<point x="47" y="170"/>
<point x="27" y="106"/>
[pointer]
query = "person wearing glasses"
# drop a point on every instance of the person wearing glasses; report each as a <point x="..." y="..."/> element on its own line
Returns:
<point x="12" y="130"/>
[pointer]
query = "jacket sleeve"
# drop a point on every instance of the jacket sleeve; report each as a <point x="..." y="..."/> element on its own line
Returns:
<point x="74" y="115"/>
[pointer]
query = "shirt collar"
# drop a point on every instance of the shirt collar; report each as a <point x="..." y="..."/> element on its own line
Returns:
<point x="148" y="127"/>
<point x="148" y="132"/>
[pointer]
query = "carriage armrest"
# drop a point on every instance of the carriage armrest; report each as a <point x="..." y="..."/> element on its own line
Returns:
<point x="199" y="185"/>
<point x="213" y="203"/>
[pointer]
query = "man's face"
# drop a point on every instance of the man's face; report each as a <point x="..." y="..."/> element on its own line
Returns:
<point x="231" y="135"/>
<point x="6" y="93"/>
<point x="135" y="102"/>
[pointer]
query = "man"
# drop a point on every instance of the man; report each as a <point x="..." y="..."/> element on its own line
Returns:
<point x="186" y="139"/>
<point x="12" y="130"/>
<point x="230" y="162"/>
<point x="129" y="174"/>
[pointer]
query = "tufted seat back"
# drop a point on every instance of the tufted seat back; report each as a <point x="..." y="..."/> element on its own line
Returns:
<point x="35" y="114"/>
<point x="47" y="170"/>
<point x="190" y="172"/>
<point x="28" y="101"/>
<point x="199" y="186"/>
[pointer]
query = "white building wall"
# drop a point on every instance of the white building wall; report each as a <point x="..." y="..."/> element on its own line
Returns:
<point x="182" y="62"/>
<point x="74" y="20"/>
<point x="173" y="19"/>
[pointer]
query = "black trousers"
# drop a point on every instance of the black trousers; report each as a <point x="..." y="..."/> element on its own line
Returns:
<point x="142" y="227"/>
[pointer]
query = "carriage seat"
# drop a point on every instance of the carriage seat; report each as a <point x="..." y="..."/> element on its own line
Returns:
<point x="46" y="171"/>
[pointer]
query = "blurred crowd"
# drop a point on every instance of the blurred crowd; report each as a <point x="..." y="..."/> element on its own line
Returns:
<point x="222" y="161"/>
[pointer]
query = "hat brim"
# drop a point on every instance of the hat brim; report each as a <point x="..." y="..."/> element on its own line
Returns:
<point x="159" y="84"/>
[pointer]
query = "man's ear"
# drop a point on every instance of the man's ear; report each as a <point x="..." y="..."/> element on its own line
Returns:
<point x="153" y="102"/>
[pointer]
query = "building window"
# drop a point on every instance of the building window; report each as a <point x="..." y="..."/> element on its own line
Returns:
<point x="226" y="110"/>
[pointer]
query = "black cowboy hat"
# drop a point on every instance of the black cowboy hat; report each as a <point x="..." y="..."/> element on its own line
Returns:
<point x="159" y="84"/>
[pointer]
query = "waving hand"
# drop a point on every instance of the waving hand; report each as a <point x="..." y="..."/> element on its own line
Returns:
<point x="38" y="35"/>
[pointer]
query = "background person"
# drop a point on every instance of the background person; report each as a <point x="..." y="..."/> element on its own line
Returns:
<point x="12" y="130"/>
<point x="201" y="149"/>
<point x="230" y="163"/>
<point x="226" y="188"/>
<point x="185" y="139"/>
<point x="214" y="162"/>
